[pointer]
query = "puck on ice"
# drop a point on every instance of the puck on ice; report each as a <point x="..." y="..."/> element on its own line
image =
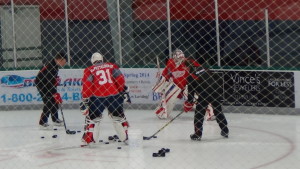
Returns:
<point x="78" y="131"/>
<point x="42" y="137"/>
<point x="106" y="142"/>
<point x="166" y="150"/>
<point x="54" y="136"/>
<point x="100" y="141"/>
<point x="119" y="147"/>
<point x="54" y="129"/>
<point x="154" y="136"/>
<point x="158" y="155"/>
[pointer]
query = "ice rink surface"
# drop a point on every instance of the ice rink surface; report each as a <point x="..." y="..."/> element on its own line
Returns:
<point x="255" y="141"/>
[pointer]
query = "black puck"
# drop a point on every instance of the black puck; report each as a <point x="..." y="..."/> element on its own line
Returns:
<point x="116" y="137"/>
<point x="119" y="141"/>
<point x="166" y="150"/>
<point x="158" y="155"/>
<point x="42" y="137"/>
<point x="106" y="142"/>
<point x="119" y="147"/>
<point x="54" y="129"/>
<point x="100" y="141"/>
<point x="54" y="136"/>
<point x="154" y="136"/>
<point x="162" y="154"/>
<point x="111" y="138"/>
<point x="78" y="131"/>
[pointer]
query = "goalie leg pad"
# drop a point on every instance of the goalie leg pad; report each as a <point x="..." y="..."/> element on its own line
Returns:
<point x="172" y="93"/>
<point x="168" y="101"/>
<point x="121" y="126"/>
<point x="91" y="130"/>
<point x="160" y="85"/>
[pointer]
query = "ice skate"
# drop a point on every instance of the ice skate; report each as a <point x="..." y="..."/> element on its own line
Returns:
<point x="161" y="113"/>
<point x="224" y="134"/>
<point x="58" y="123"/>
<point x="45" y="126"/>
<point x="195" y="137"/>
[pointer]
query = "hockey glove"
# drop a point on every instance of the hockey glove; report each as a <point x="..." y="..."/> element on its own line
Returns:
<point x="126" y="95"/>
<point x="188" y="106"/>
<point x="84" y="106"/>
<point x="57" y="98"/>
<point x="57" y="81"/>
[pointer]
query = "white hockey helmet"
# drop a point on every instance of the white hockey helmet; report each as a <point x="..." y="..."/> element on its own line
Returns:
<point x="178" y="55"/>
<point x="96" y="57"/>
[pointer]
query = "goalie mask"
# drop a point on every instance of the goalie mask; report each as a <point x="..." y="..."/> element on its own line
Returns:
<point x="96" y="57"/>
<point x="178" y="56"/>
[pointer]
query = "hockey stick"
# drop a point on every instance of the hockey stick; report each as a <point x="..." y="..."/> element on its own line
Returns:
<point x="158" y="67"/>
<point x="67" y="130"/>
<point x="148" y="138"/>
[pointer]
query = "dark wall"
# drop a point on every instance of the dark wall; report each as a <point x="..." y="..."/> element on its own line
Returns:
<point x="196" y="38"/>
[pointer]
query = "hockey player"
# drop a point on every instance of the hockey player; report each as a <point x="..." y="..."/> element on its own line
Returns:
<point x="46" y="82"/>
<point x="103" y="87"/>
<point x="172" y="83"/>
<point x="208" y="86"/>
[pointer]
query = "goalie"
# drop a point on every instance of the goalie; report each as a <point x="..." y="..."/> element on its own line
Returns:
<point x="172" y="84"/>
<point x="103" y="87"/>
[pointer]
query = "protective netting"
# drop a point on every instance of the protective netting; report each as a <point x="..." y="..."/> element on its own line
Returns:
<point x="254" y="44"/>
<point x="132" y="33"/>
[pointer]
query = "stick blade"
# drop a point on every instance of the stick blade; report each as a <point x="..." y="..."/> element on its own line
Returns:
<point x="146" y="138"/>
<point x="70" y="132"/>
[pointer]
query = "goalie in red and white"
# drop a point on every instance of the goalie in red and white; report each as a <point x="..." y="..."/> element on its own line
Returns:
<point x="103" y="87"/>
<point x="172" y="84"/>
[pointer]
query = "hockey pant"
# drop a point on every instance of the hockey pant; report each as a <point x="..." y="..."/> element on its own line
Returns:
<point x="169" y="96"/>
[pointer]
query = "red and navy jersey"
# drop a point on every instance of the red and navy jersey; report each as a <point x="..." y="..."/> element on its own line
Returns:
<point x="178" y="73"/>
<point x="102" y="80"/>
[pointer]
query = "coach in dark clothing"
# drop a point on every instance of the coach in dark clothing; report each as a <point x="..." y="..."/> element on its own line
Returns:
<point x="46" y="83"/>
<point x="209" y="88"/>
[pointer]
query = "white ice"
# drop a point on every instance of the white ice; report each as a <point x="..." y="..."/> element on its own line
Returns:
<point x="255" y="141"/>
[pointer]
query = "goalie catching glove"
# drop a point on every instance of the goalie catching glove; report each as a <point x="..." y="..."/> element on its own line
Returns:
<point x="84" y="106"/>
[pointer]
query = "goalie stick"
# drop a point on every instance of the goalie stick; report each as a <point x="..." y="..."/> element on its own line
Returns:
<point x="163" y="94"/>
<point x="67" y="130"/>
<point x="148" y="138"/>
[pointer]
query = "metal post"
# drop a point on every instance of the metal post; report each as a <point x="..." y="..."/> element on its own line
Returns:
<point x="267" y="37"/>
<point x="169" y="28"/>
<point x="217" y="32"/>
<point x="14" y="33"/>
<point x="119" y="31"/>
<point x="67" y="32"/>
